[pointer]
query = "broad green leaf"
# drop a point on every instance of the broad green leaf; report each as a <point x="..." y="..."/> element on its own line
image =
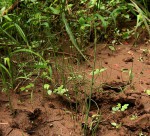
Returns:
<point x="81" y="21"/>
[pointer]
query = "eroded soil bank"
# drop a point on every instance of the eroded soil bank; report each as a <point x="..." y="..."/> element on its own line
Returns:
<point x="126" y="80"/>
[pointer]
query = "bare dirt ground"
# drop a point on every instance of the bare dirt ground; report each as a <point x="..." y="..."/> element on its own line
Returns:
<point x="62" y="116"/>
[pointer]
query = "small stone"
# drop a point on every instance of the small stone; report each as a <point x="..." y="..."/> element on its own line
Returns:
<point x="129" y="59"/>
<point x="51" y="125"/>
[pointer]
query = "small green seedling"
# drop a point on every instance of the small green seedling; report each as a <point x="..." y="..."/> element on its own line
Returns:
<point x="78" y="77"/>
<point x="130" y="73"/>
<point x="145" y="51"/>
<point x="45" y="75"/>
<point x="97" y="71"/>
<point x="95" y="121"/>
<point x="119" y="107"/>
<point x="147" y="92"/>
<point x="141" y="134"/>
<point x="46" y="87"/>
<point x="60" y="90"/>
<point x="133" y="117"/>
<point x="27" y="88"/>
<point x="141" y="59"/>
<point x="112" y="48"/>
<point x="114" y="124"/>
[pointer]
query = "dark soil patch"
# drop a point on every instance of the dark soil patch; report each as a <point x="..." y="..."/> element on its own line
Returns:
<point x="40" y="118"/>
<point x="65" y="116"/>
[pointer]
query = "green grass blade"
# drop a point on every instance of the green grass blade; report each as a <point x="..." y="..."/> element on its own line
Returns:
<point x="13" y="39"/>
<point x="72" y="38"/>
<point x="28" y="51"/>
<point x="19" y="29"/>
<point x="7" y="71"/>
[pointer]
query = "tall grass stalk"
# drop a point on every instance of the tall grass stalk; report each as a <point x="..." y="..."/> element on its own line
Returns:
<point x="92" y="84"/>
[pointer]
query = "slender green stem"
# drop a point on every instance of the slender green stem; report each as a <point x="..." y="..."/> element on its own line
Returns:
<point x="92" y="84"/>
